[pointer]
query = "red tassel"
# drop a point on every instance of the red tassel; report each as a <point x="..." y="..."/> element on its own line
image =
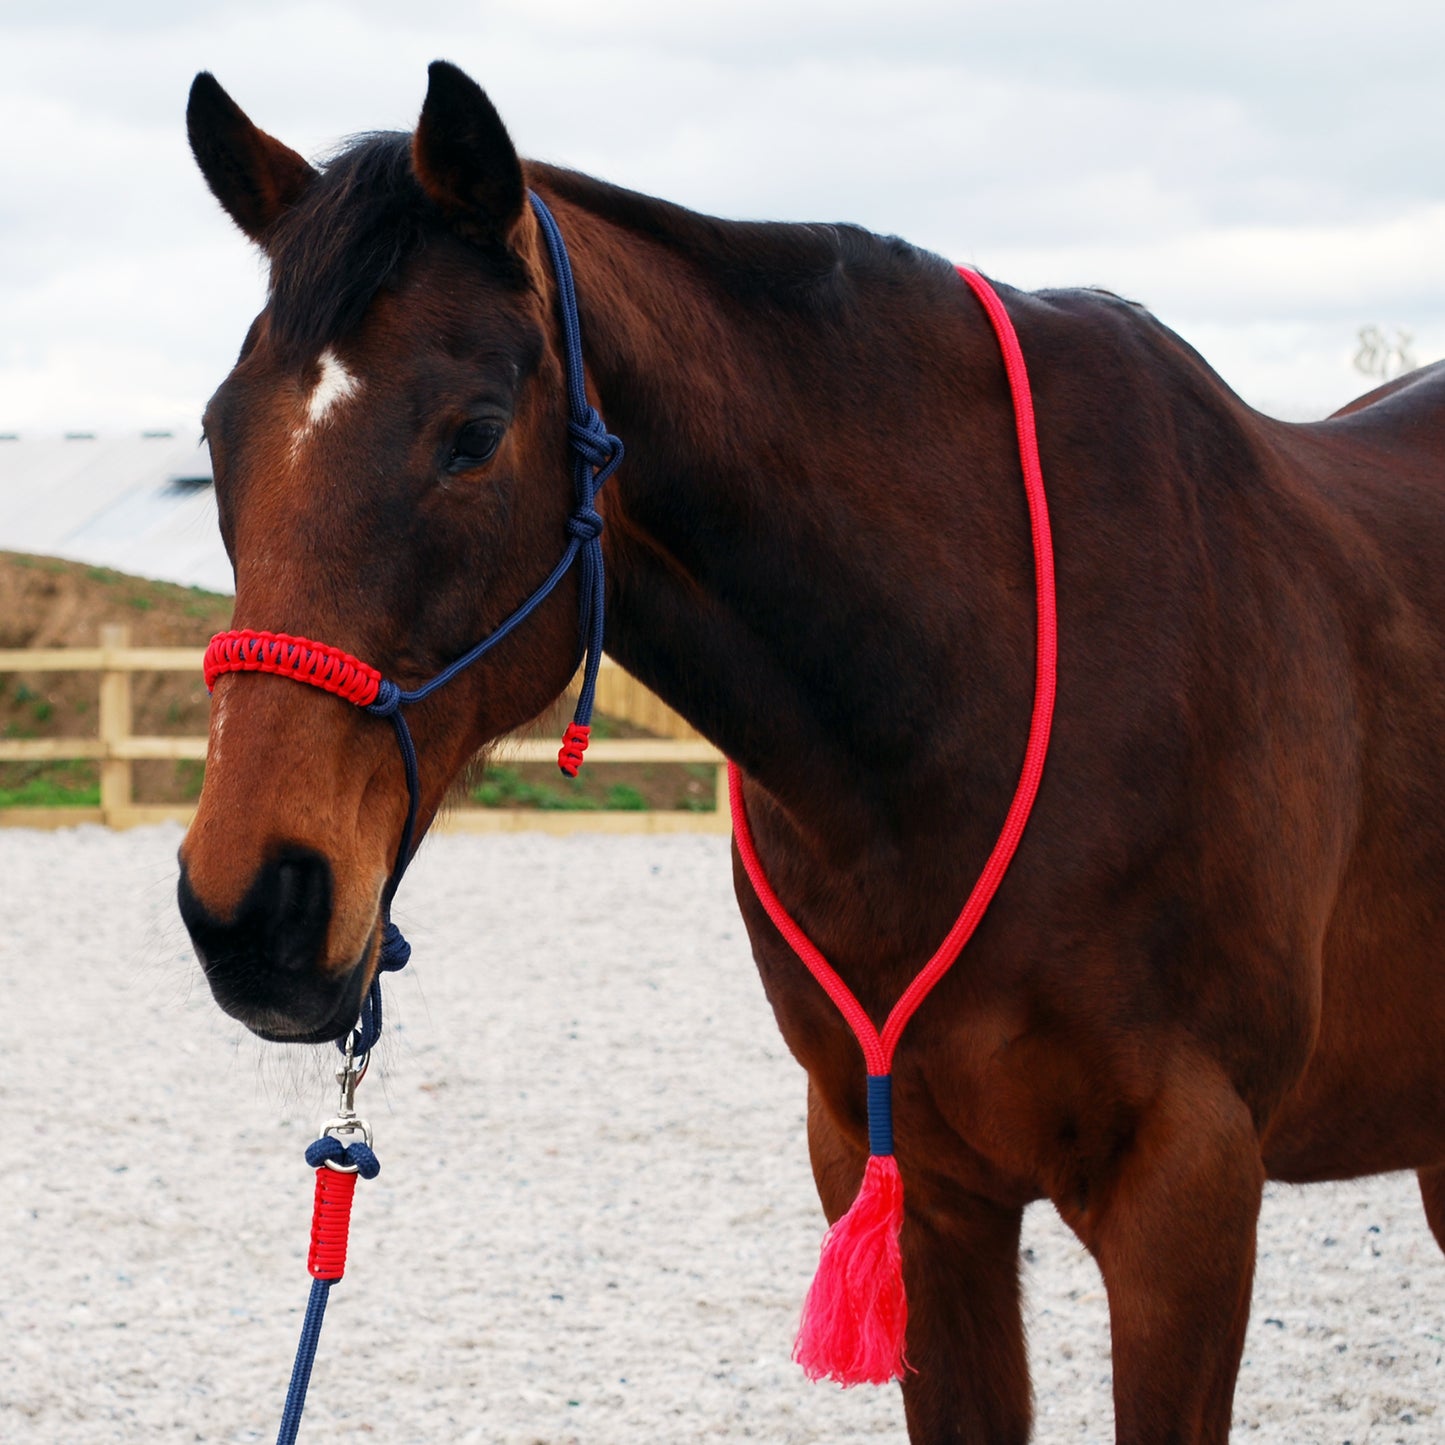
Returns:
<point x="856" y="1313"/>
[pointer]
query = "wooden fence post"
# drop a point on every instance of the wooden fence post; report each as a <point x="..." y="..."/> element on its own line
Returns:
<point x="115" y="726"/>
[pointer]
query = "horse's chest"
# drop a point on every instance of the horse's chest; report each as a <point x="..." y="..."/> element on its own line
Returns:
<point x="987" y="1095"/>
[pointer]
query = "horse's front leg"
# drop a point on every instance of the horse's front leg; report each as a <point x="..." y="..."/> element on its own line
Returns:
<point x="968" y="1382"/>
<point x="1173" y="1228"/>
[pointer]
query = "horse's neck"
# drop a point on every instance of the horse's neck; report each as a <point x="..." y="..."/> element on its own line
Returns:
<point x="818" y="544"/>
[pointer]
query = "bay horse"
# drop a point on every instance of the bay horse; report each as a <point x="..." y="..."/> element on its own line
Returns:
<point x="1217" y="957"/>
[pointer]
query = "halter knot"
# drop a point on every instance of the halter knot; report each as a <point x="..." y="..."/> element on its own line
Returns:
<point x="585" y="524"/>
<point x="387" y="699"/>
<point x="595" y="444"/>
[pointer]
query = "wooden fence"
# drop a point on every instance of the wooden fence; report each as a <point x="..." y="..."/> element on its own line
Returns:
<point x="116" y="748"/>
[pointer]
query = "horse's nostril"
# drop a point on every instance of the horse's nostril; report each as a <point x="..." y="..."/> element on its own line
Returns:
<point x="267" y="962"/>
<point x="279" y="927"/>
<point x="299" y="909"/>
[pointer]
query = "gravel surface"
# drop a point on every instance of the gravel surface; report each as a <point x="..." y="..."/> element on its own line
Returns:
<point x="594" y="1221"/>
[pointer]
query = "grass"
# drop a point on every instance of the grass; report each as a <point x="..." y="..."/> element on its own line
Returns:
<point x="507" y="788"/>
<point x="48" y="792"/>
<point x="70" y="785"/>
<point x="76" y="785"/>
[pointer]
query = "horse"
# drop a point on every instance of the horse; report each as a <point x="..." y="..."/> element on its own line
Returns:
<point x="1215" y="959"/>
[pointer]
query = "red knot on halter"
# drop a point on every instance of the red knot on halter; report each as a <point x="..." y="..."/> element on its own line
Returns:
<point x="856" y="1314"/>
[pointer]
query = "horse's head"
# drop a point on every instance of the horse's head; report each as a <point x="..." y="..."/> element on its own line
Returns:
<point x="392" y="477"/>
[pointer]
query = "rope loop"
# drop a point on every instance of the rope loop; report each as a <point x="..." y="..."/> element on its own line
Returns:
<point x="395" y="950"/>
<point x="367" y="1033"/>
<point x="854" y="1321"/>
<point x="330" y="1150"/>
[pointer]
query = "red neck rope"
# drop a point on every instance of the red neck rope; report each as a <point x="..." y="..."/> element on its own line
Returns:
<point x="856" y="1314"/>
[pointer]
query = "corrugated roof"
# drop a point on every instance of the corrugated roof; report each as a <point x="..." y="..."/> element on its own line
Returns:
<point x="141" y="504"/>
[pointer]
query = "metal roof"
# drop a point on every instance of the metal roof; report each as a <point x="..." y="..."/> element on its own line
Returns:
<point x="142" y="504"/>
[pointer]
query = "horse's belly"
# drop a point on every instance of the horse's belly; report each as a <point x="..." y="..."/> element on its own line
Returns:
<point x="1343" y="1139"/>
<point x="1372" y="1098"/>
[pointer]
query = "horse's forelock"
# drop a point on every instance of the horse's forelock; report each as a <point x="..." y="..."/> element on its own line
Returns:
<point x="345" y="239"/>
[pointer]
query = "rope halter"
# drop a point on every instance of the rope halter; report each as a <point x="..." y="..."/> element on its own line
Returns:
<point x="596" y="454"/>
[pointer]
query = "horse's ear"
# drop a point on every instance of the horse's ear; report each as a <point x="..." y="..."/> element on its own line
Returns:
<point x="464" y="157"/>
<point x="250" y="173"/>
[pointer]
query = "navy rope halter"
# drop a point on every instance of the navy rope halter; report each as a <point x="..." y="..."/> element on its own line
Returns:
<point x="596" y="454"/>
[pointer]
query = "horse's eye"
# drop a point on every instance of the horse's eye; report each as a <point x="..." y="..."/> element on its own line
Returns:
<point x="474" y="446"/>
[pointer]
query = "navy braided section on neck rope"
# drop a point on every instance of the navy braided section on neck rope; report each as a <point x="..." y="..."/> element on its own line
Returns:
<point x="596" y="454"/>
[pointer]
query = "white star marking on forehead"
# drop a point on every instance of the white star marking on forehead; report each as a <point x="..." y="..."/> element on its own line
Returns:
<point x="336" y="385"/>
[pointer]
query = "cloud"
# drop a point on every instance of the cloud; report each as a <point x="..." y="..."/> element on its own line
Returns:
<point x="1325" y="272"/>
<point x="1265" y="171"/>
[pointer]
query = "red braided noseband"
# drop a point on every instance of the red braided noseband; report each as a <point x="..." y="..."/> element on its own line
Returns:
<point x="295" y="657"/>
<point x="335" y="671"/>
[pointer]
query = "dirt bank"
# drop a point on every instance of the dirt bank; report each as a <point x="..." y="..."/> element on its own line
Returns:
<point x="45" y="602"/>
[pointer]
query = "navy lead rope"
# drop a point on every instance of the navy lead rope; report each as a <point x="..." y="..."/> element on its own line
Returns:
<point x="596" y="454"/>
<point x="359" y="1159"/>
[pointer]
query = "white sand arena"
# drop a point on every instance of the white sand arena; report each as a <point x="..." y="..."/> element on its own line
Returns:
<point x="594" y="1221"/>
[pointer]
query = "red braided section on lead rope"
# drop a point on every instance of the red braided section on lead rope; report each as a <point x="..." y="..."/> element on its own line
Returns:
<point x="330" y="1223"/>
<point x="295" y="657"/>
<point x="878" y="1048"/>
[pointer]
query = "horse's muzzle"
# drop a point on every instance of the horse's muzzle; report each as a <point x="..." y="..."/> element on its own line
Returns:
<point x="265" y="964"/>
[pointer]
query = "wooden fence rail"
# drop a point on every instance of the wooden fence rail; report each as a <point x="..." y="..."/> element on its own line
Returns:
<point x="117" y="748"/>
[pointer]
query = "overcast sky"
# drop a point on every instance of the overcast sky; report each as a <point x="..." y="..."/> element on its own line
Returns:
<point x="1267" y="177"/>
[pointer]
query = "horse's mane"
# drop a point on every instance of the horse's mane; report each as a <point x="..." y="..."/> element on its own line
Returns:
<point x="786" y="264"/>
<point x="366" y="215"/>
